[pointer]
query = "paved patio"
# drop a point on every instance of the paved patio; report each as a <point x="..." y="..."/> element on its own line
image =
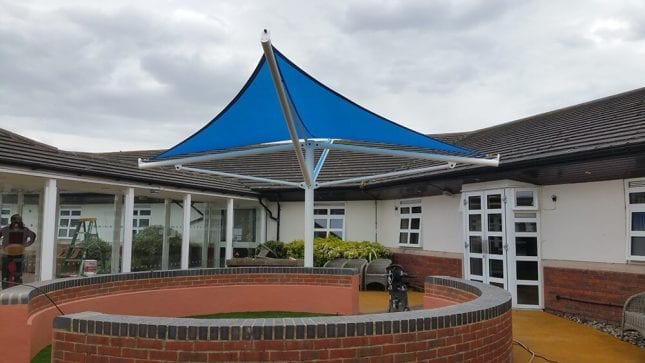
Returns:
<point x="547" y="335"/>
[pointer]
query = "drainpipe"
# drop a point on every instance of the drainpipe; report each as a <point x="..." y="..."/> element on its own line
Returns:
<point x="270" y="214"/>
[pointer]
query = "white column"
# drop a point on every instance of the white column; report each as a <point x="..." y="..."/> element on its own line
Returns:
<point x="165" y="247"/>
<point x="128" y="216"/>
<point x="47" y="238"/>
<point x="185" y="236"/>
<point x="229" y="228"/>
<point x="116" y="234"/>
<point x="309" y="209"/>
<point x="263" y="225"/>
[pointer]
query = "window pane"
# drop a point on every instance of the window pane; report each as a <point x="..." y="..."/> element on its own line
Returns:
<point x="495" y="222"/>
<point x="475" y="222"/>
<point x="526" y="246"/>
<point x="525" y="227"/>
<point x="527" y="270"/>
<point x="405" y="210"/>
<point x="495" y="246"/>
<point x="62" y="233"/>
<point x="475" y="244"/>
<point x="637" y="198"/>
<point x="320" y="223"/>
<point x="524" y="198"/>
<point x="638" y="221"/>
<point x="337" y="234"/>
<point x="144" y="223"/>
<point x="405" y="223"/>
<point x="474" y="203"/>
<point x="144" y="212"/>
<point x="320" y="212"/>
<point x="336" y="223"/>
<point x="321" y="234"/>
<point x="337" y="212"/>
<point x="414" y="238"/>
<point x="528" y="295"/>
<point x="476" y="266"/>
<point x="416" y="223"/>
<point x="134" y="223"/>
<point x="403" y="238"/>
<point x="76" y="212"/>
<point x="496" y="268"/>
<point x="74" y="222"/>
<point x="64" y="212"/>
<point x="416" y="209"/>
<point x="494" y="201"/>
<point x="638" y="246"/>
<point x="63" y="222"/>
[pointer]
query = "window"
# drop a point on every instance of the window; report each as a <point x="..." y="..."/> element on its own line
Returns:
<point x="636" y="219"/>
<point x="329" y="221"/>
<point x="140" y="219"/>
<point x="4" y="216"/>
<point x="68" y="219"/>
<point x="410" y="223"/>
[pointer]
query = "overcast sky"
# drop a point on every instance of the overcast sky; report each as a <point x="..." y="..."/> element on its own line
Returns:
<point x="131" y="75"/>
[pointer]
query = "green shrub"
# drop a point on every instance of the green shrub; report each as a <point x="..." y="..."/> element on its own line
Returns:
<point x="100" y="251"/>
<point x="326" y="249"/>
<point x="147" y="247"/>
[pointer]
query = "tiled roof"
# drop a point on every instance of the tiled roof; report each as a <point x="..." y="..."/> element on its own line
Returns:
<point x="599" y="127"/>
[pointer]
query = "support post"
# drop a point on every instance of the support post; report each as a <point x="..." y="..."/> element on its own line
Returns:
<point x="128" y="216"/>
<point x="229" y="228"/>
<point x="115" y="255"/>
<point x="165" y="247"/>
<point x="47" y="241"/>
<point x="309" y="209"/>
<point x="185" y="236"/>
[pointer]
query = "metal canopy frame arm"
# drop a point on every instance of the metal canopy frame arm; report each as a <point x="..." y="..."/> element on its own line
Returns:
<point x="233" y="175"/>
<point x="285" y="105"/>
<point x="209" y="157"/>
<point x="387" y="175"/>
<point x="411" y="154"/>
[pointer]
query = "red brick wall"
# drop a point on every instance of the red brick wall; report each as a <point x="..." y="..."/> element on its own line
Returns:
<point x="448" y="293"/>
<point x="484" y="341"/>
<point x="596" y="295"/>
<point x="419" y="266"/>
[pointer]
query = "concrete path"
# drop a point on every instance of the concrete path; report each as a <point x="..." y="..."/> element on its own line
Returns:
<point x="547" y="335"/>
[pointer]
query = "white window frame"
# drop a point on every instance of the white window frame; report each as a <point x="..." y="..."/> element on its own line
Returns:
<point x="631" y="186"/>
<point x="137" y="217"/>
<point x="70" y="227"/>
<point x="408" y="205"/>
<point x="328" y="217"/>
<point x="5" y="215"/>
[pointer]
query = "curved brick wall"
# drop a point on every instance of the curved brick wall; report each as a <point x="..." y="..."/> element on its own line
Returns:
<point x="478" y="328"/>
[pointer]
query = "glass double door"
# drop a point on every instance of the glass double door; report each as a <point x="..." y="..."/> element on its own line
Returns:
<point x="486" y="246"/>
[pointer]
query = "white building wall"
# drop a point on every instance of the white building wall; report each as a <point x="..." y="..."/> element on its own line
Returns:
<point x="586" y="223"/>
<point x="360" y="221"/>
<point x="388" y="223"/>
<point x="442" y="224"/>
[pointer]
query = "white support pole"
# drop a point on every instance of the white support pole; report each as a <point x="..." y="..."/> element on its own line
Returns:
<point x="263" y="226"/>
<point x="185" y="236"/>
<point x="229" y="228"/>
<point x="285" y="105"/>
<point x="165" y="247"/>
<point x="309" y="209"/>
<point x="115" y="255"/>
<point x="47" y="239"/>
<point x="128" y="217"/>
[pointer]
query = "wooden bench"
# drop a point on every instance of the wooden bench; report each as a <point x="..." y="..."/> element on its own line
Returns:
<point x="634" y="314"/>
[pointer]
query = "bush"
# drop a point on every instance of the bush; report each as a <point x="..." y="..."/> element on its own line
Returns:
<point x="147" y="247"/>
<point x="326" y="249"/>
<point x="100" y="251"/>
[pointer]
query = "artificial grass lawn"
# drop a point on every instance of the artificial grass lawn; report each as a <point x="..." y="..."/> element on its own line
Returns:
<point x="44" y="356"/>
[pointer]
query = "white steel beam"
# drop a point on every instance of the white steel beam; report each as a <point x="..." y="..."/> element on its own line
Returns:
<point x="249" y="177"/>
<point x="387" y="175"/>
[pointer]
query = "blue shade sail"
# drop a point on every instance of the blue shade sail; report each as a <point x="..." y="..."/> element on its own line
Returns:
<point x="254" y="117"/>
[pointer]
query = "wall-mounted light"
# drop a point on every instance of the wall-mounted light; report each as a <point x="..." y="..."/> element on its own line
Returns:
<point x="554" y="198"/>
